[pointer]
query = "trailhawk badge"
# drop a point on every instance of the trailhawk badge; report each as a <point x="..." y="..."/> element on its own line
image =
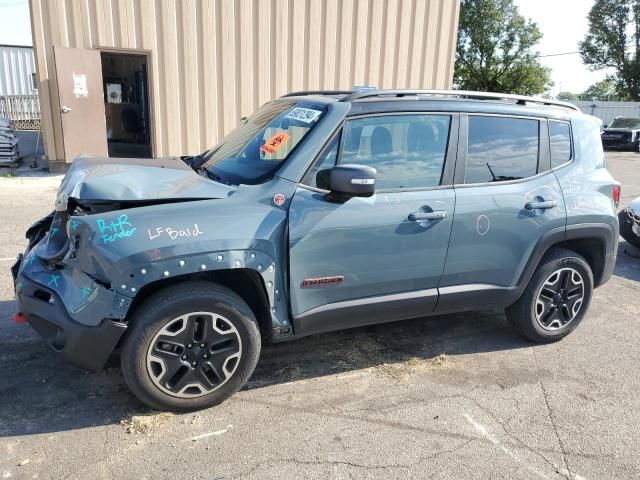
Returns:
<point x="322" y="281"/>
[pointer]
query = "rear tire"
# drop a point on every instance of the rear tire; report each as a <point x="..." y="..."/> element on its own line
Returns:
<point x="190" y="346"/>
<point x="556" y="299"/>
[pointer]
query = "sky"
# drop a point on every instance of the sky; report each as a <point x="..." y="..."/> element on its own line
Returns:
<point x="563" y="24"/>
<point x="15" y="25"/>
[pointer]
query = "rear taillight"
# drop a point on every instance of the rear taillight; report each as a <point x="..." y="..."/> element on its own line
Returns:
<point x="616" y="194"/>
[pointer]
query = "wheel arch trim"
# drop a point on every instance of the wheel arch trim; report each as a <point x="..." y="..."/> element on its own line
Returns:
<point x="218" y="266"/>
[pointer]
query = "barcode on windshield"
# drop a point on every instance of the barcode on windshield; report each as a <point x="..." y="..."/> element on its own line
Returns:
<point x="306" y="115"/>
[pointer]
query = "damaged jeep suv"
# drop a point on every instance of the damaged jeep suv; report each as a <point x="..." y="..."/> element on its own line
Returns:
<point x="321" y="211"/>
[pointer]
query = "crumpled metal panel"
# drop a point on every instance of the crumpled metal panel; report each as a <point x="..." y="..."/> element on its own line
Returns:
<point x="97" y="179"/>
<point x="86" y="301"/>
<point x="119" y="252"/>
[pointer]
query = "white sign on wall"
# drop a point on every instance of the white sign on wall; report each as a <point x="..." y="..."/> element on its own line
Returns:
<point x="80" y="85"/>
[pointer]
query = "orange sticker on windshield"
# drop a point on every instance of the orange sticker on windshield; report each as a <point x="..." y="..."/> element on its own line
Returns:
<point x="275" y="143"/>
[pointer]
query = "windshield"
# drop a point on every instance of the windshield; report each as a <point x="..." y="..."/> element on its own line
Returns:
<point x="254" y="151"/>
<point x="625" y="123"/>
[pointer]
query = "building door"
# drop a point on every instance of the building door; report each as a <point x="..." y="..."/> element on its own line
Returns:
<point x="126" y="104"/>
<point x="81" y="108"/>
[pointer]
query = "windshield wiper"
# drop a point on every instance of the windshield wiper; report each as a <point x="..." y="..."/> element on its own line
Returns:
<point x="213" y="176"/>
<point x="491" y="171"/>
<point x="194" y="161"/>
<point x="500" y="178"/>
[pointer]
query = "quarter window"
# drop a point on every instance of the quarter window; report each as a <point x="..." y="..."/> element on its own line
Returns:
<point x="560" y="142"/>
<point x="408" y="151"/>
<point x="501" y="149"/>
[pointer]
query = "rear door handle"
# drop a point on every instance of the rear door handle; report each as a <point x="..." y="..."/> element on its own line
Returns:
<point x="420" y="216"/>
<point x="541" y="205"/>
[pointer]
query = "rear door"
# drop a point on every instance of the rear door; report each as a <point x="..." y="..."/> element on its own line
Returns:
<point x="507" y="199"/>
<point x="387" y="248"/>
<point x="81" y="109"/>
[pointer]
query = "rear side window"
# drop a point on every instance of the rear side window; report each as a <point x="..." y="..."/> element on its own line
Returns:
<point x="408" y="151"/>
<point x="501" y="149"/>
<point x="560" y="143"/>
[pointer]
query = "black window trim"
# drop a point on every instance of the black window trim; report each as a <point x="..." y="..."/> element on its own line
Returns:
<point x="337" y="132"/>
<point x="544" y="158"/>
<point x="571" y="144"/>
<point x="446" y="180"/>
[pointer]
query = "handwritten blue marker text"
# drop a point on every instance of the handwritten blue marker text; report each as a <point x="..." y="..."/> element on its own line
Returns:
<point x="115" y="230"/>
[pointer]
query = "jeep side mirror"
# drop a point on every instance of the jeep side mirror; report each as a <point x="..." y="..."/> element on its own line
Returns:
<point x="605" y="126"/>
<point x="353" y="180"/>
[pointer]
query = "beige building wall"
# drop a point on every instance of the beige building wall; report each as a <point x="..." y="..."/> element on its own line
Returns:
<point x="214" y="61"/>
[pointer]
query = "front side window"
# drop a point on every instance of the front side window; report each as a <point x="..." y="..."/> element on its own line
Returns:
<point x="501" y="149"/>
<point x="559" y="142"/>
<point x="254" y="151"/>
<point x="407" y="151"/>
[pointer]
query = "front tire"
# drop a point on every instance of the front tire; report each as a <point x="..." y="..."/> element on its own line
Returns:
<point x="190" y="346"/>
<point x="556" y="299"/>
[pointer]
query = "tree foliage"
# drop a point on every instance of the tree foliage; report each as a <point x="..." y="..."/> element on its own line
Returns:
<point x="570" y="96"/>
<point x="495" y="50"/>
<point x="602" y="90"/>
<point x="613" y="42"/>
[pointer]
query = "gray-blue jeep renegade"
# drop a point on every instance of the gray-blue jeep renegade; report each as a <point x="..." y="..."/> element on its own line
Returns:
<point x="322" y="211"/>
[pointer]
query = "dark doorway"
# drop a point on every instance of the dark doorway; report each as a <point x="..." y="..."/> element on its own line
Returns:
<point x="125" y="81"/>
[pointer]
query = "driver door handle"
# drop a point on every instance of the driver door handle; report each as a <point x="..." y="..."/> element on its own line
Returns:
<point x="541" y="205"/>
<point x="420" y="216"/>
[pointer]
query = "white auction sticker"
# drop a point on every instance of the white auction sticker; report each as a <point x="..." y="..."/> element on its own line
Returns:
<point x="306" y="115"/>
<point x="80" y="85"/>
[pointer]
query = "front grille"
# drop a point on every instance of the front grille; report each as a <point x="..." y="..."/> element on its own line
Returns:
<point x="616" y="138"/>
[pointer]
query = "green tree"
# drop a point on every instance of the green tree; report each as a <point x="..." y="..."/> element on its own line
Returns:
<point x="495" y="50"/>
<point x="602" y="90"/>
<point x="613" y="42"/>
<point x="570" y="96"/>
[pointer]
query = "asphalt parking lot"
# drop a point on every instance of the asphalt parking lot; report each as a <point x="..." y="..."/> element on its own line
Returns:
<point x="452" y="397"/>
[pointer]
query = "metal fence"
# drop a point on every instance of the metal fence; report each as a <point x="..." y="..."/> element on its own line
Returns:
<point x="608" y="111"/>
<point x="24" y="110"/>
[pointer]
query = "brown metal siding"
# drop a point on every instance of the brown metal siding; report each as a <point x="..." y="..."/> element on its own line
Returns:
<point x="214" y="61"/>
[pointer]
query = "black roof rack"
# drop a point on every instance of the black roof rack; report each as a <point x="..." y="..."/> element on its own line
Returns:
<point x="520" y="99"/>
<point x="318" y="92"/>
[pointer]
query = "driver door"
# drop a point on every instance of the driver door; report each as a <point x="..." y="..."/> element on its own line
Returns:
<point x="376" y="259"/>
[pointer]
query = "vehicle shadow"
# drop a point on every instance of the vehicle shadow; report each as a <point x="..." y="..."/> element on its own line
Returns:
<point x="41" y="393"/>
<point x="628" y="263"/>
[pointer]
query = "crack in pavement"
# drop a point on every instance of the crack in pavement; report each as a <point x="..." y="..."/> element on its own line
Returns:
<point x="409" y="465"/>
<point x="512" y="436"/>
<point x="563" y="450"/>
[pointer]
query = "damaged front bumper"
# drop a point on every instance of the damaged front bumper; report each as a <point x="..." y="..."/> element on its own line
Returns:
<point x="76" y="316"/>
<point x="629" y="220"/>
